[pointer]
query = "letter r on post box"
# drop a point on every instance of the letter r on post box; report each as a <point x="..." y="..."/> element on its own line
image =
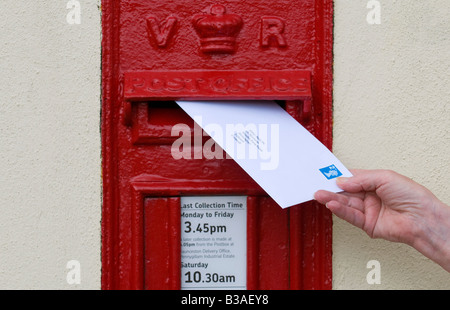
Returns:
<point x="272" y="29"/>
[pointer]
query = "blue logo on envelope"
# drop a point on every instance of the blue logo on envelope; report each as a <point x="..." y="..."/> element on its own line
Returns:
<point x="331" y="172"/>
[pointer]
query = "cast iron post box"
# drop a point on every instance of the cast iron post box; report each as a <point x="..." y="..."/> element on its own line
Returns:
<point x="157" y="52"/>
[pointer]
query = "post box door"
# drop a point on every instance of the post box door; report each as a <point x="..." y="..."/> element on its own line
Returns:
<point x="155" y="53"/>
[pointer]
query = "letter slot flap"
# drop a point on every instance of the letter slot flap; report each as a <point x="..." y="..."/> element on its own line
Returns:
<point x="290" y="85"/>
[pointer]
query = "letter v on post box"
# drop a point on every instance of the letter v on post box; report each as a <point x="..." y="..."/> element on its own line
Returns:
<point x="161" y="32"/>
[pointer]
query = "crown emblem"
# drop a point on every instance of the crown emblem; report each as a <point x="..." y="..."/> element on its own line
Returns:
<point x="217" y="30"/>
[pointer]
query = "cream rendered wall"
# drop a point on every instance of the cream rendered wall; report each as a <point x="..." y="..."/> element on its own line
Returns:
<point x="391" y="110"/>
<point x="50" y="167"/>
<point x="391" y="102"/>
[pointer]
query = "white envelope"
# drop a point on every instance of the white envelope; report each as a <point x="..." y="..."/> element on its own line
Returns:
<point x="284" y="158"/>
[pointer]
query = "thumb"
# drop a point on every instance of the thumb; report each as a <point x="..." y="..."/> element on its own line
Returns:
<point x="363" y="180"/>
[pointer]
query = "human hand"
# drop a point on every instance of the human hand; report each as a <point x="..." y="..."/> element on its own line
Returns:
<point x="388" y="205"/>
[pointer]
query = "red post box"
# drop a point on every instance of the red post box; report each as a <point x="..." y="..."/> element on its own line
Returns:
<point x="156" y="52"/>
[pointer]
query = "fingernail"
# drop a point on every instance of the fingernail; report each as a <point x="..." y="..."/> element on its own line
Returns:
<point x="342" y="180"/>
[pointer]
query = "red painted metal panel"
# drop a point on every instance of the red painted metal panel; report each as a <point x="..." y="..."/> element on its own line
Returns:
<point x="252" y="243"/>
<point x="274" y="246"/>
<point x="162" y="243"/>
<point x="265" y="38"/>
<point x="310" y="247"/>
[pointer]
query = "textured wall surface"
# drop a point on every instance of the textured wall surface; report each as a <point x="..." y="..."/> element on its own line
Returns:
<point x="50" y="172"/>
<point x="391" y="110"/>
<point x="391" y="105"/>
